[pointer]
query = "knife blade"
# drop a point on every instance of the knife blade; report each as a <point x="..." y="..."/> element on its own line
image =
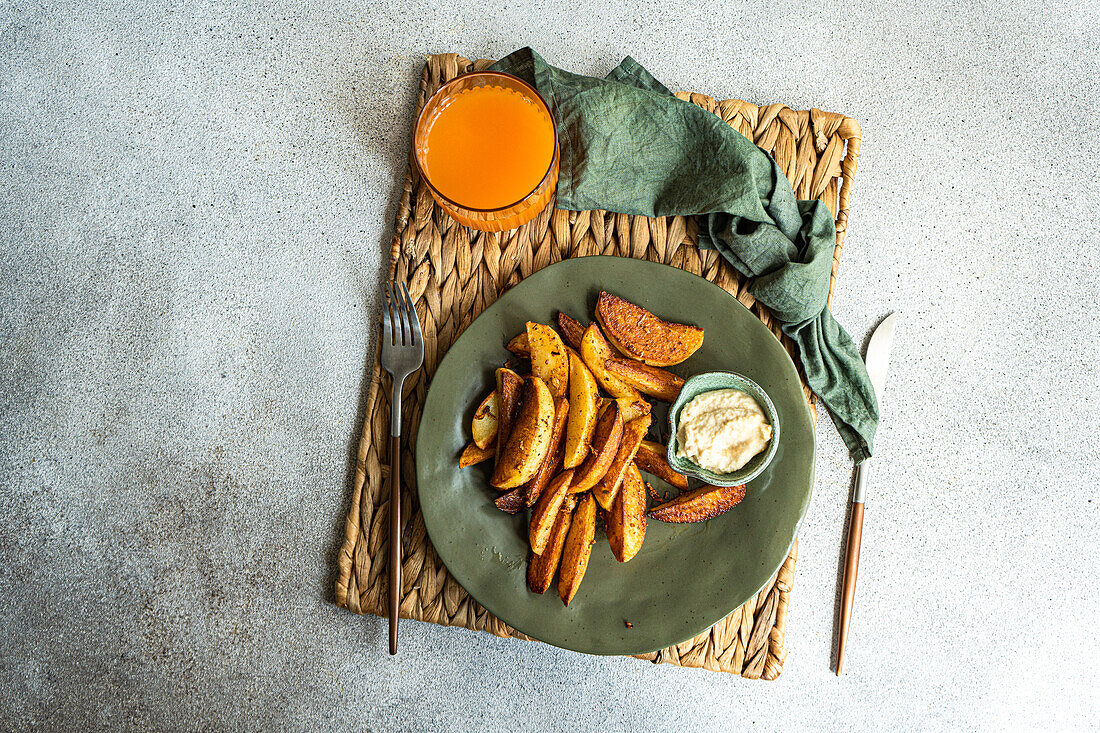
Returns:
<point x="878" y="354"/>
<point x="877" y="361"/>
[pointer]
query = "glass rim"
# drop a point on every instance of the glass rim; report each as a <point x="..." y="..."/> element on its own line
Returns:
<point x="443" y="91"/>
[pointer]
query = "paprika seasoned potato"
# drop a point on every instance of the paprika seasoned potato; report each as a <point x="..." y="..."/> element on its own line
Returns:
<point x="605" y="445"/>
<point x="583" y="401"/>
<point x="639" y="334"/>
<point x="509" y="389"/>
<point x="649" y="380"/>
<point x="519" y="345"/>
<point x="530" y="437"/>
<point x="551" y="464"/>
<point x="572" y="330"/>
<point x="608" y="486"/>
<point x="511" y="501"/>
<point x="472" y="454"/>
<point x="595" y="352"/>
<point x="653" y="458"/>
<point x="546" y="510"/>
<point x="633" y="408"/>
<point x="578" y="548"/>
<point x="626" y="521"/>
<point x="485" y="422"/>
<point x="549" y="361"/>
<point x="541" y="568"/>
<point x="697" y="505"/>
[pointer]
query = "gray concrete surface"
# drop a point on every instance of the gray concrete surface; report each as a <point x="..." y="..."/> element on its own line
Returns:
<point x="194" y="198"/>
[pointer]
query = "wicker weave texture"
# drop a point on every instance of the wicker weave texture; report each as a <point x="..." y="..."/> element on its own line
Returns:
<point x="454" y="273"/>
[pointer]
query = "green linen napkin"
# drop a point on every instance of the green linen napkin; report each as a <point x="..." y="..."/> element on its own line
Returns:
<point x="629" y="146"/>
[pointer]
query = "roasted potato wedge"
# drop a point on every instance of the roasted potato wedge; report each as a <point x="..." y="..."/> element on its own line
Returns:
<point x="700" y="504"/>
<point x="626" y="520"/>
<point x="641" y="335"/>
<point x="485" y="423"/>
<point x="649" y="380"/>
<point x="583" y="400"/>
<point x="549" y="361"/>
<point x="541" y="568"/>
<point x="509" y="389"/>
<point x="653" y="458"/>
<point x="605" y="445"/>
<point x="552" y="463"/>
<point x="511" y="501"/>
<point x="520" y="346"/>
<point x="529" y="440"/>
<point x="472" y="454"/>
<point x="572" y="330"/>
<point x="633" y="408"/>
<point x="578" y="548"/>
<point x="542" y="516"/>
<point x="595" y="351"/>
<point x="608" y="486"/>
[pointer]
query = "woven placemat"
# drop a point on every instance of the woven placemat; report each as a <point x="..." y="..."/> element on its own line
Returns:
<point x="454" y="273"/>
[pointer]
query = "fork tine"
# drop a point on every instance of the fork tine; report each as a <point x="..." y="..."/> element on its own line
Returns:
<point x="414" y="319"/>
<point x="387" y="320"/>
<point x="404" y="337"/>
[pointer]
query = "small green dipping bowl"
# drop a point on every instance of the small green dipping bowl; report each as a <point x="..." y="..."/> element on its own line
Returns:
<point x="709" y="382"/>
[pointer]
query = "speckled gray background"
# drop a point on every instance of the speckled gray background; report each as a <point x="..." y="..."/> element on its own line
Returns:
<point x="194" y="198"/>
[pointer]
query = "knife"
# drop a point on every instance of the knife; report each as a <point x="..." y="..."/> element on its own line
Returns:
<point x="877" y="359"/>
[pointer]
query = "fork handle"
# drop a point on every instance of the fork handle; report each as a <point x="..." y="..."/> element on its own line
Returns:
<point x="395" y="537"/>
<point x="395" y="512"/>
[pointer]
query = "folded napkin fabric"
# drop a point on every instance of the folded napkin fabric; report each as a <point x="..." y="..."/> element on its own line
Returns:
<point x="628" y="145"/>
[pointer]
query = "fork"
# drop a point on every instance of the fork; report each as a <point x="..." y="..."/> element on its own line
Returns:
<point x="402" y="354"/>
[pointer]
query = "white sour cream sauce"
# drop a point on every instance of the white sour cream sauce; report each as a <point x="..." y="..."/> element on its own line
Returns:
<point x="722" y="430"/>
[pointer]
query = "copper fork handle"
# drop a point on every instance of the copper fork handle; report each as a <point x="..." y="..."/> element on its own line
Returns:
<point x="848" y="589"/>
<point x="395" y="538"/>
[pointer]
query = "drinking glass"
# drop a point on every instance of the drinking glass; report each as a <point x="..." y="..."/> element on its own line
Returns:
<point x="486" y="145"/>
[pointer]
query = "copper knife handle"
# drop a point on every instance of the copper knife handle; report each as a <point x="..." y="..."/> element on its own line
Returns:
<point x="848" y="589"/>
<point x="395" y="538"/>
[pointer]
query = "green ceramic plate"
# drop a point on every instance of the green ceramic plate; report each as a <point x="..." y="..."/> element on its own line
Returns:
<point x="686" y="577"/>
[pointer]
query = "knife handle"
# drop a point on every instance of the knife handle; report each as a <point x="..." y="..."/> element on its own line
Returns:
<point x="848" y="589"/>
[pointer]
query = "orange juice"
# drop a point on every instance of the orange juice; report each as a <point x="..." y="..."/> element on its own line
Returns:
<point x="485" y="144"/>
<point x="489" y="147"/>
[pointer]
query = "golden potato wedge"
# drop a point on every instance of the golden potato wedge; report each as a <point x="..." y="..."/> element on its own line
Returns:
<point x="541" y="568"/>
<point x="595" y="351"/>
<point x="511" y="501"/>
<point x="572" y="330"/>
<point x="608" y="486"/>
<point x="653" y="458"/>
<point x="552" y="463"/>
<point x="633" y="408"/>
<point x="578" y="548"/>
<point x="485" y="423"/>
<point x="698" y="505"/>
<point x="626" y="521"/>
<point x="520" y="346"/>
<point x="545" y="511"/>
<point x="472" y="454"/>
<point x="549" y="361"/>
<point x="605" y="445"/>
<point x="509" y="390"/>
<point x="639" y="334"/>
<point x="529" y="440"/>
<point x="583" y="396"/>
<point x="649" y="380"/>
